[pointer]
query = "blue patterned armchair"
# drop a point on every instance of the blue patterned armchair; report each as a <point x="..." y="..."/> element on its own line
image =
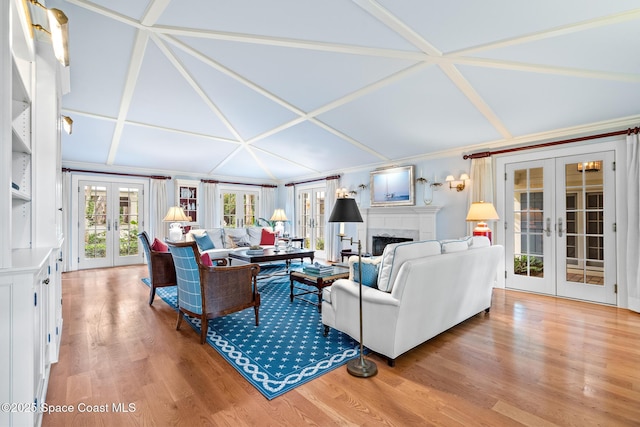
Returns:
<point x="209" y="292"/>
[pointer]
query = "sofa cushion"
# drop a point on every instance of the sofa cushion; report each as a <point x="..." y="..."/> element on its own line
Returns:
<point x="255" y="235"/>
<point x="369" y="274"/>
<point x="159" y="246"/>
<point x="205" y="259"/>
<point x="454" y="246"/>
<point x="204" y="241"/>
<point x="395" y="254"/>
<point x="236" y="237"/>
<point x="479" y="242"/>
<point x="215" y="234"/>
<point x="267" y="237"/>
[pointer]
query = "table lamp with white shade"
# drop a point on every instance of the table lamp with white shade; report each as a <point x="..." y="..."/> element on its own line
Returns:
<point x="175" y="216"/>
<point x="279" y="217"/>
<point x="482" y="212"/>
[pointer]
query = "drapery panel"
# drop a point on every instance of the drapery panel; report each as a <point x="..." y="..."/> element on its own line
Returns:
<point x="633" y="222"/>
<point x="158" y="207"/>
<point x="290" y="210"/>
<point x="66" y="217"/>
<point x="210" y="207"/>
<point x="332" y="242"/>
<point x="268" y="205"/>
<point x="481" y="185"/>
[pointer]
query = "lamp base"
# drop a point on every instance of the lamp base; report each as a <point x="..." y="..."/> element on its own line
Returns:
<point x="361" y="367"/>
<point x="482" y="230"/>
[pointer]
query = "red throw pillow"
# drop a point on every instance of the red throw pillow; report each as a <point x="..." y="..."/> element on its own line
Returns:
<point x="205" y="259"/>
<point x="268" y="237"/>
<point x="159" y="246"/>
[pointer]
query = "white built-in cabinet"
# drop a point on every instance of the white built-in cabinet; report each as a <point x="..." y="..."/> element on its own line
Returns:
<point x="30" y="215"/>
<point x="187" y="197"/>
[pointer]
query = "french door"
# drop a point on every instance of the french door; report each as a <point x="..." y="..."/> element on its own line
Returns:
<point x="239" y="208"/>
<point x="560" y="227"/>
<point x="311" y="219"/>
<point x="109" y="222"/>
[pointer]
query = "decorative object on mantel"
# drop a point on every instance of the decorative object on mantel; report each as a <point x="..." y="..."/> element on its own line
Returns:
<point x="346" y="210"/>
<point x="175" y="216"/>
<point x="482" y="212"/>
<point x="457" y="184"/>
<point x="393" y="186"/>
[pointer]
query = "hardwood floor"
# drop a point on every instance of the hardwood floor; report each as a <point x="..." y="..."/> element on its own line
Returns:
<point x="534" y="360"/>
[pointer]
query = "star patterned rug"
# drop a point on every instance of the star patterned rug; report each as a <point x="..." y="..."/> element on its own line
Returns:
<point x="286" y="350"/>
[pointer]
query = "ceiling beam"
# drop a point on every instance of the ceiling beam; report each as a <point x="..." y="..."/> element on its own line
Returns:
<point x="467" y="90"/>
<point x="383" y="15"/>
<point x="554" y="32"/>
<point x="137" y="55"/>
<point x="154" y="11"/>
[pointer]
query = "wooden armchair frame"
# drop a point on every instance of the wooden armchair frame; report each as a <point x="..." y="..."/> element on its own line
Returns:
<point x="162" y="271"/>
<point x="223" y="289"/>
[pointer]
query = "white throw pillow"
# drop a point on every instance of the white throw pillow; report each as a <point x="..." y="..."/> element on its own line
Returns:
<point x="479" y="242"/>
<point x="395" y="254"/>
<point x="454" y="246"/>
<point x="236" y="237"/>
<point x="215" y="234"/>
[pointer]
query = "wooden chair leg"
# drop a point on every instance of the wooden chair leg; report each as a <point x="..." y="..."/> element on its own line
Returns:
<point x="204" y="327"/>
<point x="152" y="294"/>
<point x="179" y="320"/>
<point x="256" y="310"/>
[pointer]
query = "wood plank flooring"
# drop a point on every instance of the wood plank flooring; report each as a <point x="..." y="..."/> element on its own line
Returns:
<point x="534" y="361"/>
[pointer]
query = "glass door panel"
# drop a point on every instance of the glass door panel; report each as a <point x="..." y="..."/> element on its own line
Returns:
<point x="239" y="208"/>
<point x="528" y="223"/>
<point x="560" y="227"/>
<point x="110" y="224"/>
<point x="311" y="219"/>
<point x="585" y="228"/>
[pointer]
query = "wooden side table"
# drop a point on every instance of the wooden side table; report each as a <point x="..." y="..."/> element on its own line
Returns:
<point x="347" y="253"/>
<point x="315" y="281"/>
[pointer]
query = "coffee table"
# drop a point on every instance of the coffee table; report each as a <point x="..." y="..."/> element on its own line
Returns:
<point x="271" y="255"/>
<point x="316" y="281"/>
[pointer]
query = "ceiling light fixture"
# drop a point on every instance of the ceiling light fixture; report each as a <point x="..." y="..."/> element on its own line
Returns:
<point x="59" y="32"/>
<point x="67" y="124"/>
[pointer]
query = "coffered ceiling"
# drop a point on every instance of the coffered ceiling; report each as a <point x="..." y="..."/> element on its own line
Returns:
<point x="276" y="90"/>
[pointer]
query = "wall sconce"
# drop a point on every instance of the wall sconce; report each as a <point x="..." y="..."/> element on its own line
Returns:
<point x="457" y="184"/>
<point x="67" y="124"/>
<point x="341" y="193"/>
<point x="58" y="30"/>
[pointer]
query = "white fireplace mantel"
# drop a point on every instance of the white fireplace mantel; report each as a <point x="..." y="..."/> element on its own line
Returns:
<point x="417" y="222"/>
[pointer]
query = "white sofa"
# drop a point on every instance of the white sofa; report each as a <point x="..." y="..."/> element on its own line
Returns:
<point x="424" y="289"/>
<point x="226" y="240"/>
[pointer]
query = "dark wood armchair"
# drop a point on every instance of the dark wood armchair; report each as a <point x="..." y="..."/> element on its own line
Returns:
<point x="209" y="292"/>
<point x="162" y="272"/>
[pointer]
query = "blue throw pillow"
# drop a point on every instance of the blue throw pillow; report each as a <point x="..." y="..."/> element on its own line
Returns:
<point x="369" y="274"/>
<point x="204" y="242"/>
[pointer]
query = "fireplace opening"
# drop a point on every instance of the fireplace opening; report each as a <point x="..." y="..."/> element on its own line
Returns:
<point x="379" y="242"/>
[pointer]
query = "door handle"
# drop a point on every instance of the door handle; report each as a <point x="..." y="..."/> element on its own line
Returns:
<point x="108" y="225"/>
<point x="548" y="229"/>
<point x="115" y="225"/>
<point x="560" y="230"/>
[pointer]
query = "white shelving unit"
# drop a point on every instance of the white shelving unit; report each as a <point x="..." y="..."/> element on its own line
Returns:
<point x="30" y="224"/>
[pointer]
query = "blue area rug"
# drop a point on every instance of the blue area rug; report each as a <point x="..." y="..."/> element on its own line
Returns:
<point x="286" y="350"/>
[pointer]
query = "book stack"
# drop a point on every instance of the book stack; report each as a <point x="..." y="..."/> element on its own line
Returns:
<point x="317" y="269"/>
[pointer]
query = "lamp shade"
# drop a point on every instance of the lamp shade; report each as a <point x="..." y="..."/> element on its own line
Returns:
<point x="482" y="211"/>
<point x="345" y="210"/>
<point x="279" y="215"/>
<point x="175" y="214"/>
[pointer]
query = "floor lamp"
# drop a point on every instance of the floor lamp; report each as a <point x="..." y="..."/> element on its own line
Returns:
<point x="346" y="210"/>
